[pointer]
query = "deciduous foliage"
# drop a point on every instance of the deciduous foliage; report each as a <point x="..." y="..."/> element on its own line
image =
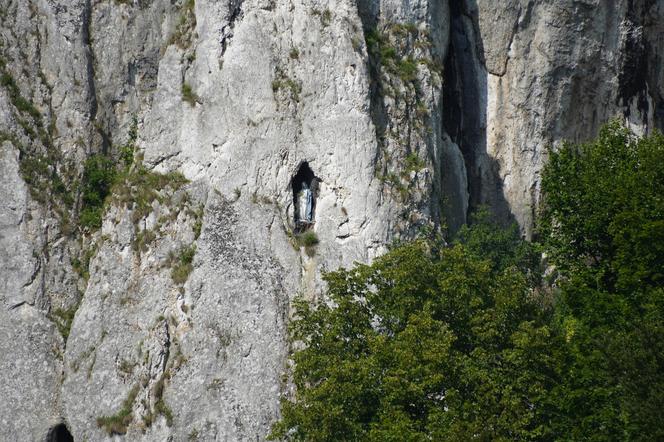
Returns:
<point x="604" y="209"/>
<point x="428" y="343"/>
<point x="603" y="226"/>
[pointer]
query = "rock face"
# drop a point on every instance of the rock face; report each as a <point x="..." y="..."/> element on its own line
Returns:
<point x="530" y="74"/>
<point x="169" y="321"/>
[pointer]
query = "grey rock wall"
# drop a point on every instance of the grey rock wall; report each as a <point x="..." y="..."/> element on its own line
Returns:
<point x="536" y="73"/>
<point x="408" y="113"/>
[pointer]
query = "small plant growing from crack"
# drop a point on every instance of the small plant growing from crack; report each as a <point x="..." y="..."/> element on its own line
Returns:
<point x="189" y="95"/>
<point x="182" y="263"/>
<point x="118" y="423"/>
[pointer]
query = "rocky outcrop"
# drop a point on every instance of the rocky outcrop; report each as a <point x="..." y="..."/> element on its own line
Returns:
<point x="170" y="320"/>
<point x="531" y="74"/>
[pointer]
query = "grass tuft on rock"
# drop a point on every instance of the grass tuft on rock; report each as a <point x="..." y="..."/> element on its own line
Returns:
<point x="307" y="239"/>
<point x="189" y="95"/>
<point x="63" y="319"/>
<point x="182" y="264"/>
<point x="117" y="424"/>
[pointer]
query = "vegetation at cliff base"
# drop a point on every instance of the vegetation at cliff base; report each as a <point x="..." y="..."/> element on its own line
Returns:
<point x="602" y="225"/>
<point x="428" y="342"/>
<point x="477" y="340"/>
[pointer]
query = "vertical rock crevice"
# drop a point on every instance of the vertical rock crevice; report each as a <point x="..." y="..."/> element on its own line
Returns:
<point x="89" y="58"/>
<point x="465" y="112"/>
<point x="369" y="12"/>
<point x="234" y="14"/>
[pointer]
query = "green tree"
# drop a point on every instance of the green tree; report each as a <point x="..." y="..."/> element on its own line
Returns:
<point x="603" y="209"/>
<point x="502" y="246"/>
<point x="428" y="342"/>
<point x="602" y="224"/>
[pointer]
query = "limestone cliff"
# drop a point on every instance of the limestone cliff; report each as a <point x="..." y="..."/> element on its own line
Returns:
<point x="169" y="320"/>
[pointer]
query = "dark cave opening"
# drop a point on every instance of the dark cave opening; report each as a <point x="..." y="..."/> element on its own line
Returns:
<point x="59" y="433"/>
<point x="305" y="191"/>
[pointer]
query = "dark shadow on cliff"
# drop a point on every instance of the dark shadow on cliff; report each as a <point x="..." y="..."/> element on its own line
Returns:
<point x="59" y="433"/>
<point x="369" y="12"/>
<point x="641" y="73"/>
<point x="465" y="111"/>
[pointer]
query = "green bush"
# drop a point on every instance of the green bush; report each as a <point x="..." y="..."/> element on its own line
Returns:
<point x="98" y="177"/>
<point x="292" y="87"/>
<point x="135" y="185"/>
<point x="307" y="239"/>
<point x="406" y="69"/>
<point x="602" y="225"/>
<point x="182" y="264"/>
<point x="603" y="208"/>
<point x="413" y="163"/>
<point x="140" y="187"/>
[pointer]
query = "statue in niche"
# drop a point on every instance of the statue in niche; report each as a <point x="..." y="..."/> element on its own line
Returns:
<point x="306" y="204"/>
<point x="305" y="191"/>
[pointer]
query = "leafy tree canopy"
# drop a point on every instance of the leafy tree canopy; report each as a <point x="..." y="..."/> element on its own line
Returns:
<point x="603" y="211"/>
<point x="602" y="224"/>
<point x="428" y="342"/>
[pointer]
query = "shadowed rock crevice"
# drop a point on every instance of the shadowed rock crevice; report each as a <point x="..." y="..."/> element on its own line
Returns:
<point x="89" y="58"/>
<point x="633" y="78"/>
<point x="59" y="433"/>
<point x="642" y="69"/>
<point x="465" y="112"/>
<point x="234" y="14"/>
<point x="369" y="12"/>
